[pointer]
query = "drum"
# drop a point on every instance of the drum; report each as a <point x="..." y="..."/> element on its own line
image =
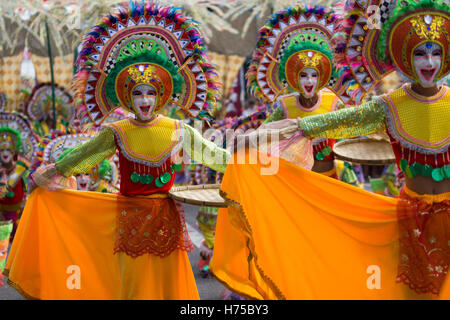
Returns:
<point x="365" y="151"/>
<point x="200" y="195"/>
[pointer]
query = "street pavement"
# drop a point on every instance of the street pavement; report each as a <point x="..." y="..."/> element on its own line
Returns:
<point x="208" y="289"/>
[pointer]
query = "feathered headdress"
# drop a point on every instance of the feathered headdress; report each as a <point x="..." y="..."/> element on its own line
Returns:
<point x="59" y="146"/>
<point x="376" y="37"/>
<point x="10" y="139"/>
<point x="40" y="105"/>
<point x="291" y="40"/>
<point x="16" y="134"/>
<point x="145" y="43"/>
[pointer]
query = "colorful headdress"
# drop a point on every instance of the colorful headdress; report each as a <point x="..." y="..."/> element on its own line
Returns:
<point x="60" y="146"/>
<point x="40" y="105"/>
<point x="368" y="49"/>
<point x="10" y="139"/>
<point x="144" y="43"/>
<point x="292" y="40"/>
<point x="16" y="135"/>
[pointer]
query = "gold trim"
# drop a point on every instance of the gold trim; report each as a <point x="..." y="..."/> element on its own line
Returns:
<point x="232" y="289"/>
<point x="250" y="246"/>
<point x="17" y="287"/>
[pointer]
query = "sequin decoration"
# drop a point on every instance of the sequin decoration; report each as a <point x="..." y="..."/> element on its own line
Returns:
<point x="346" y="123"/>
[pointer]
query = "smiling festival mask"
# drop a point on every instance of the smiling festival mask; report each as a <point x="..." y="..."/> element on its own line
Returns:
<point x="427" y="62"/>
<point x="308" y="82"/>
<point x="306" y="65"/>
<point x="416" y="40"/>
<point x="144" y="101"/>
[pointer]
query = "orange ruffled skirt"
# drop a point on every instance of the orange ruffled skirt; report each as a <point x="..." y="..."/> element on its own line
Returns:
<point x="64" y="249"/>
<point x="302" y="235"/>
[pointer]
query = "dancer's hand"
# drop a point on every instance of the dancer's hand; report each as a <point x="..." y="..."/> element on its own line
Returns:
<point x="49" y="178"/>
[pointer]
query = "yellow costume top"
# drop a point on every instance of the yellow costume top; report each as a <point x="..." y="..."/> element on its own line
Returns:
<point x="291" y="108"/>
<point x="130" y="136"/>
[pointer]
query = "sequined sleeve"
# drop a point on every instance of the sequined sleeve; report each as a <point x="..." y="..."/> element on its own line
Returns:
<point x="86" y="156"/>
<point x="276" y="115"/>
<point x="346" y="123"/>
<point x="203" y="151"/>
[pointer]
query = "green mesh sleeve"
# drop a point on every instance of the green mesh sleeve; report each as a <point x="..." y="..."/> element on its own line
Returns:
<point x="86" y="156"/>
<point x="276" y="115"/>
<point x="203" y="151"/>
<point x="351" y="122"/>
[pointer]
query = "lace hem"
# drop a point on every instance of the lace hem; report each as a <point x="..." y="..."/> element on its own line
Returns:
<point x="424" y="289"/>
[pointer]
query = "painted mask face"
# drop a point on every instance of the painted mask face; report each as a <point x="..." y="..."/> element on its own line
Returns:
<point x="308" y="79"/>
<point x="6" y="156"/>
<point x="427" y="61"/>
<point x="83" y="182"/>
<point x="144" y="100"/>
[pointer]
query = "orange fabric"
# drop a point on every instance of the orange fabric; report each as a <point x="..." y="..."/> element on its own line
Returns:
<point x="302" y="235"/>
<point x="62" y="229"/>
<point x="445" y="291"/>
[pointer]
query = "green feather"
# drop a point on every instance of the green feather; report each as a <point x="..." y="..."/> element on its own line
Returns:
<point x="16" y="134"/>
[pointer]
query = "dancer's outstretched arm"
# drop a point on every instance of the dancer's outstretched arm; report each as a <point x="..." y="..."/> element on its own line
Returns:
<point x="350" y="122"/>
<point x="345" y="123"/>
<point x="203" y="151"/>
<point x="81" y="159"/>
